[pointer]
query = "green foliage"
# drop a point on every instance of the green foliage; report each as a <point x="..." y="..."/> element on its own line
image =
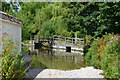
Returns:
<point x="12" y="64"/>
<point x="6" y="7"/>
<point x="48" y="28"/>
<point x="26" y="42"/>
<point x="53" y="21"/>
<point x="25" y="49"/>
<point x="88" y="18"/>
<point x="88" y="39"/>
<point x="103" y="54"/>
<point x="29" y="15"/>
<point x="51" y="18"/>
<point x="94" y="18"/>
<point x="55" y="26"/>
<point x="58" y="18"/>
<point x="87" y="43"/>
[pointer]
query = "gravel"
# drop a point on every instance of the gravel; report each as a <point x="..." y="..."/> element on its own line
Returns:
<point x="87" y="72"/>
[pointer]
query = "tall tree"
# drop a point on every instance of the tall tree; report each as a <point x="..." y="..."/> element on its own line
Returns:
<point x="27" y="15"/>
<point x="94" y="18"/>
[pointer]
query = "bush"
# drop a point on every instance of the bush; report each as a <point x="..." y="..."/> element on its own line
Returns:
<point x="25" y="49"/>
<point x="26" y="41"/>
<point x="12" y="64"/>
<point x="87" y="42"/>
<point x="103" y="54"/>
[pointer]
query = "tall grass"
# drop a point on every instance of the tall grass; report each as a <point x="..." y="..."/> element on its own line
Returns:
<point x="12" y="63"/>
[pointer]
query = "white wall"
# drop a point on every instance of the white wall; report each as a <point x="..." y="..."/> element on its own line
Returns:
<point x="13" y="29"/>
<point x="0" y="35"/>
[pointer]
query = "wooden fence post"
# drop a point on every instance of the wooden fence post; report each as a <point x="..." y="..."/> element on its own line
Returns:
<point x="72" y="40"/>
<point x="53" y="38"/>
<point x="65" y="40"/>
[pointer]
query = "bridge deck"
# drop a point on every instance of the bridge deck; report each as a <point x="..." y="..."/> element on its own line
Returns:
<point x="58" y="41"/>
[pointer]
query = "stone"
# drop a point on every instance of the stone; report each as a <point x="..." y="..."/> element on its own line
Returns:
<point x="28" y="60"/>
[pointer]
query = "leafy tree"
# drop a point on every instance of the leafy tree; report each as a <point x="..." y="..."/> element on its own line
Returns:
<point x="58" y="18"/>
<point x="109" y="17"/>
<point x="94" y="18"/>
<point x="53" y="21"/>
<point x="27" y="15"/>
<point x="11" y="7"/>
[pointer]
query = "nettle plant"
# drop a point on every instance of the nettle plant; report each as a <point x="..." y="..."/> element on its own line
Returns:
<point x="104" y="54"/>
<point x="12" y="62"/>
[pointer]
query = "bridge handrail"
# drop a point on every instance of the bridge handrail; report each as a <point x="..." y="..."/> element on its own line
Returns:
<point x="59" y="38"/>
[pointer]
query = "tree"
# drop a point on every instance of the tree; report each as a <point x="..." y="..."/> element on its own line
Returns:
<point x="94" y="18"/>
<point x="58" y="18"/>
<point x="53" y="21"/>
<point x="27" y="15"/>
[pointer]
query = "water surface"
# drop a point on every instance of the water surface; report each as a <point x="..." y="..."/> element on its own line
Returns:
<point x="56" y="59"/>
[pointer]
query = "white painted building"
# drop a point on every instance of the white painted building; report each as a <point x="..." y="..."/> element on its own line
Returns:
<point x="11" y="26"/>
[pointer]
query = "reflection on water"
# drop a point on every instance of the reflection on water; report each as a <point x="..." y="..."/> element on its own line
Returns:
<point x="56" y="59"/>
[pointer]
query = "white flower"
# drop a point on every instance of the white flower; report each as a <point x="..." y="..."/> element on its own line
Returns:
<point x="112" y="37"/>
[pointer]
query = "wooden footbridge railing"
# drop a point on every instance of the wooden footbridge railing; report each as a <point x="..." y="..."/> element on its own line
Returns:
<point x="44" y="38"/>
<point x="59" y="39"/>
<point x="68" y="39"/>
<point x="41" y="38"/>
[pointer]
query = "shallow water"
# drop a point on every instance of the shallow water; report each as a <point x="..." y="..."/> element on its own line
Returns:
<point x="56" y="59"/>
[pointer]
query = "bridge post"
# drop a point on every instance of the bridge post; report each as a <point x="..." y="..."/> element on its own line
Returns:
<point x="37" y="38"/>
<point x="32" y="42"/>
<point x="47" y="38"/>
<point x="68" y="48"/>
<point x="72" y="40"/>
<point x="75" y="37"/>
<point x="59" y="39"/>
<point x="65" y="40"/>
<point x="34" y="38"/>
<point x="53" y="37"/>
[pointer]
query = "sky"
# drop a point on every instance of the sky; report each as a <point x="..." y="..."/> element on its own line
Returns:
<point x="14" y="3"/>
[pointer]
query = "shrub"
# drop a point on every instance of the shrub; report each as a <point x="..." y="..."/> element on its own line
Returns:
<point x="88" y="39"/>
<point x="25" y="49"/>
<point x="87" y="42"/>
<point x="103" y="54"/>
<point x="12" y="64"/>
<point x="26" y="41"/>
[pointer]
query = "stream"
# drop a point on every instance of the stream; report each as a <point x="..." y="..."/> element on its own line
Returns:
<point x="57" y="63"/>
<point x="55" y="58"/>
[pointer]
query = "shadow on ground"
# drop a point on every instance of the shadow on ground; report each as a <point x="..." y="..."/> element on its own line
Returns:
<point x="32" y="73"/>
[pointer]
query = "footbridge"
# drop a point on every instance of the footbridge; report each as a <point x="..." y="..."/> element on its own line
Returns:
<point x="60" y="42"/>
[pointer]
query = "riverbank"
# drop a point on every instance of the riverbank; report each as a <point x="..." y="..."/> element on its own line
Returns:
<point x="87" y="72"/>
